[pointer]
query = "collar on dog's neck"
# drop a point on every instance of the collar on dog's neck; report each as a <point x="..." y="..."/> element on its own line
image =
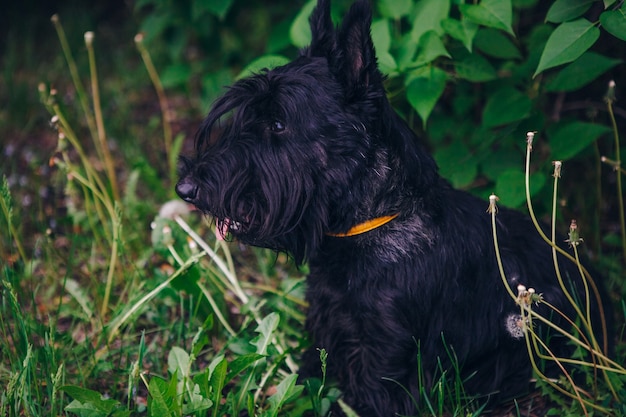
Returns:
<point x="366" y="226"/>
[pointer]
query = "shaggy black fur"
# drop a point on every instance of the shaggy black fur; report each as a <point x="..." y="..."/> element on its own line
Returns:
<point x="290" y="156"/>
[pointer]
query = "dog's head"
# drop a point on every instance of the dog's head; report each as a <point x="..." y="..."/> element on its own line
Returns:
<point x="284" y="156"/>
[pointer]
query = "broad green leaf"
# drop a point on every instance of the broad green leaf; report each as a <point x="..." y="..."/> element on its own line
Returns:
<point x="475" y="68"/>
<point x="614" y="22"/>
<point x="423" y="92"/>
<point x="85" y="409"/>
<point x="241" y="363"/>
<point x="581" y="72"/>
<point x="572" y="137"/>
<point x="430" y="47"/>
<point x="457" y="164"/>
<point x="462" y="30"/>
<point x="285" y="391"/>
<point x="178" y="361"/>
<point x="261" y="63"/>
<point x="175" y="75"/>
<point x="300" y="31"/>
<point x="197" y="402"/>
<point x="497" y="14"/>
<point x="218" y="8"/>
<point x="381" y="35"/>
<point x="568" y="41"/>
<point x="563" y="10"/>
<point x="217" y="382"/>
<point x="511" y="187"/>
<point x="161" y="402"/>
<point x="428" y="15"/>
<point x="608" y="3"/>
<point x="266" y="329"/>
<point x="90" y="399"/>
<point x="394" y="9"/>
<point x="499" y="160"/>
<point x="506" y="105"/>
<point x="495" y="43"/>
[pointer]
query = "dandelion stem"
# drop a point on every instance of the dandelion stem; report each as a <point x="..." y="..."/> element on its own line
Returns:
<point x="618" y="162"/>
<point x="100" y="138"/>
<point x="158" y="86"/>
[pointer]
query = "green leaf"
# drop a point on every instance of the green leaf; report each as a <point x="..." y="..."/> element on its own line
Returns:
<point x="563" y="10"/>
<point x="178" y="362"/>
<point x="497" y="14"/>
<point x="217" y="382"/>
<point x="161" y="402"/>
<point x="511" y="187"/>
<point x="424" y="91"/>
<point x="571" y="138"/>
<point x="285" y="391"/>
<point x="218" y="8"/>
<point x="506" y="105"/>
<point x="266" y="329"/>
<point x="462" y="30"/>
<point x="175" y="75"/>
<point x="475" y="68"/>
<point x="300" y="31"/>
<point x="85" y="409"/>
<point x="495" y="43"/>
<point x="568" y="41"/>
<point x="428" y="15"/>
<point x="457" y="164"/>
<point x="89" y="399"/>
<point x="501" y="159"/>
<point x="240" y="363"/>
<point x="381" y="35"/>
<point x="394" y="9"/>
<point x="261" y="63"/>
<point x="614" y="22"/>
<point x="581" y="72"/>
<point x="197" y="402"/>
<point x="430" y="48"/>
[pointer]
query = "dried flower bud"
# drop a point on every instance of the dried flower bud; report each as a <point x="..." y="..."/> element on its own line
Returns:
<point x="493" y="208"/>
<point x="88" y="38"/>
<point x="609" y="97"/>
<point x="529" y="140"/>
<point x="557" y="169"/>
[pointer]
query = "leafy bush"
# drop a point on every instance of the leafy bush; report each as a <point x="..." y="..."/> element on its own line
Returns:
<point x="175" y="324"/>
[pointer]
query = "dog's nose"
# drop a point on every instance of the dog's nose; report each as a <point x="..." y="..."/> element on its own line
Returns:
<point x="187" y="190"/>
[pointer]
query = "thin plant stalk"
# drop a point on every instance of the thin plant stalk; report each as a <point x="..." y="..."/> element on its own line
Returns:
<point x="5" y="202"/>
<point x="531" y="212"/>
<point x="71" y="64"/>
<point x="101" y="137"/>
<point x="158" y="86"/>
<point x="610" y="97"/>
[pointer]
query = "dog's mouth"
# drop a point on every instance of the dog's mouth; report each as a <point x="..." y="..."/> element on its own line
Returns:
<point x="226" y="226"/>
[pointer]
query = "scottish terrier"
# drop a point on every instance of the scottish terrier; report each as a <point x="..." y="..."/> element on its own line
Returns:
<point x="310" y="158"/>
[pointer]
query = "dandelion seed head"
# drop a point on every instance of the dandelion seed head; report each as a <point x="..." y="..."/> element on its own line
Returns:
<point x="514" y="325"/>
<point x="174" y="208"/>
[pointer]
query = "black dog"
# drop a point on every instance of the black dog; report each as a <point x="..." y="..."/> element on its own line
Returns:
<point x="313" y="161"/>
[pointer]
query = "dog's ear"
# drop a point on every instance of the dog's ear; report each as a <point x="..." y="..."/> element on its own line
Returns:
<point x="356" y="64"/>
<point x="323" y="36"/>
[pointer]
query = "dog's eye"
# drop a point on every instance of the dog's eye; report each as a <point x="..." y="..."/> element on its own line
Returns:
<point x="277" y="126"/>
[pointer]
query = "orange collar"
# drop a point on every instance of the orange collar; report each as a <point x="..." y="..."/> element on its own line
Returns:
<point x="366" y="226"/>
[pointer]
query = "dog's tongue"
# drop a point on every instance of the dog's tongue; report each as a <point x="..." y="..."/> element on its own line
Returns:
<point x="221" y="228"/>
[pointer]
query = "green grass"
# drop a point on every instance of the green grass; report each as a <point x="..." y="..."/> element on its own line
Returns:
<point x="115" y="302"/>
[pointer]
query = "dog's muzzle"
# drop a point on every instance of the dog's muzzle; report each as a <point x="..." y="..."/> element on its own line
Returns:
<point x="187" y="190"/>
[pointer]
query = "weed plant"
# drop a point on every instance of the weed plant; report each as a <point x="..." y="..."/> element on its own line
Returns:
<point x="182" y="323"/>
